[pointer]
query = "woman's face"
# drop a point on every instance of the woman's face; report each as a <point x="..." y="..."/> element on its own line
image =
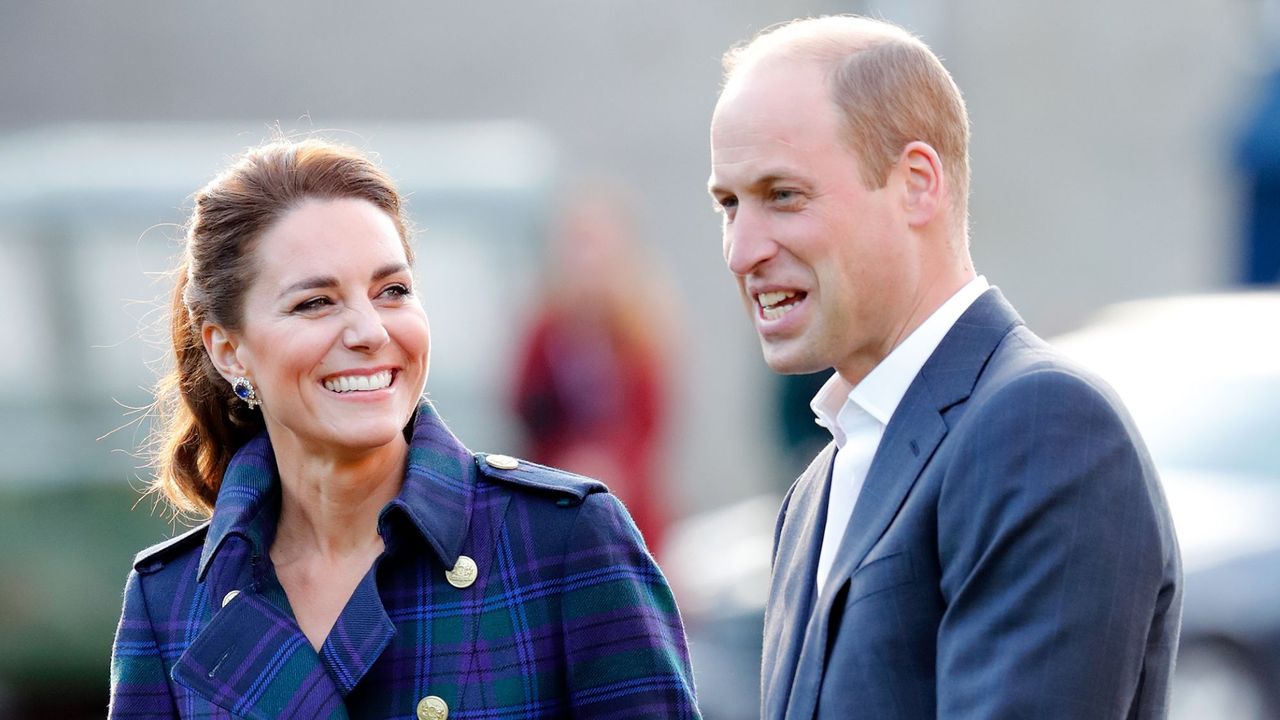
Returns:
<point x="333" y="336"/>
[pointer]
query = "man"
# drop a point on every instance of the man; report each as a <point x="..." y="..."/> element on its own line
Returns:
<point x="986" y="537"/>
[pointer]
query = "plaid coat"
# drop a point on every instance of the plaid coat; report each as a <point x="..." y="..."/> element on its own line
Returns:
<point x="568" y="616"/>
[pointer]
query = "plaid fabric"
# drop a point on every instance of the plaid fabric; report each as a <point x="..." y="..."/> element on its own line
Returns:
<point x="568" y="617"/>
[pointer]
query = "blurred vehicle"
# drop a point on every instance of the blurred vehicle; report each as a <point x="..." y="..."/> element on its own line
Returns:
<point x="90" y="220"/>
<point x="1201" y="376"/>
<point x="718" y="565"/>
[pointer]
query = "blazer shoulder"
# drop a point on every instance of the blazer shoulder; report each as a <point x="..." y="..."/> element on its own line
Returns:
<point x="564" y="487"/>
<point x="157" y="556"/>
<point x="1026" y="364"/>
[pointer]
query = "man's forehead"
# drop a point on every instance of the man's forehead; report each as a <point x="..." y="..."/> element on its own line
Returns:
<point x="777" y="116"/>
<point x="767" y="75"/>
<point x="774" y="99"/>
<point x="763" y="149"/>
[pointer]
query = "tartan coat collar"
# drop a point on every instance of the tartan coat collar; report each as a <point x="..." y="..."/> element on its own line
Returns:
<point x="437" y="495"/>
<point x="251" y="658"/>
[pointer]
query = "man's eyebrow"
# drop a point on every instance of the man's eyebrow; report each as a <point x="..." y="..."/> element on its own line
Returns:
<point x="316" y="282"/>
<point x="763" y="181"/>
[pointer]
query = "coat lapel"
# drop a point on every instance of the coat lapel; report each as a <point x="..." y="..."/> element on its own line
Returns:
<point x="251" y="658"/>
<point x="795" y="566"/>
<point x="359" y="635"/>
<point x="914" y="432"/>
<point x="253" y="661"/>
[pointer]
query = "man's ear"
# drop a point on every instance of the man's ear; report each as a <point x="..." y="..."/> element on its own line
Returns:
<point x="924" y="181"/>
<point x="221" y="345"/>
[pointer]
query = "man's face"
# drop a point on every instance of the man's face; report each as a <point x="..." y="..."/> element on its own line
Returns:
<point x="825" y="266"/>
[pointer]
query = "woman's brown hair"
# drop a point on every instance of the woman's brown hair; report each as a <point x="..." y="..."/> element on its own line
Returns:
<point x="200" y="423"/>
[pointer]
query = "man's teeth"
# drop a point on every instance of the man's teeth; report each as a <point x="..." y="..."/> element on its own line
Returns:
<point x="773" y="298"/>
<point x="773" y="313"/>
<point x="769" y="307"/>
<point x="352" y="383"/>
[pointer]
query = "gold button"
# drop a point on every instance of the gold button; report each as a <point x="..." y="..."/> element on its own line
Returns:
<point x="463" y="572"/>
<point x="229" y="597"/>
<point x="432" y="708"/>
<point x="502" y="462"/>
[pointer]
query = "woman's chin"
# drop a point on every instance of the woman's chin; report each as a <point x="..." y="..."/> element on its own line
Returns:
<point x="367" y="439"/>
<point x="351" y="437"/>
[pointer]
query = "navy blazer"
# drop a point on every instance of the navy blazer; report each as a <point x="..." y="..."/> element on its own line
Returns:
<point x="1010" y="555"/>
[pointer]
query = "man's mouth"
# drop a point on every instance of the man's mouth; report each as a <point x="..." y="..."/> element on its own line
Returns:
<point x="359" y="383"/>
<point x="774" y="305"/>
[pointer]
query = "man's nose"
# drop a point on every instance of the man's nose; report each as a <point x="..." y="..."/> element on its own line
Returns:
<point x="747" y="243"/>
<point x="365" y="330"/>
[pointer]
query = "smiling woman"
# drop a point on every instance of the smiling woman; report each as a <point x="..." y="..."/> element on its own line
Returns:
<point x="358" y="560"/>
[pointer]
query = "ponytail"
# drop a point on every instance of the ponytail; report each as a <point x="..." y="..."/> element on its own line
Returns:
<point x="200" y="421"/>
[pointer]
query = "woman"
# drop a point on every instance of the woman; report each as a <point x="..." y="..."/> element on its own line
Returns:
<point x="359" y="561"/>
<point x="590" y="381"/>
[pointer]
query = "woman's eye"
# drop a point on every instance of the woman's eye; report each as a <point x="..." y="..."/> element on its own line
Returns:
<point x="312" y="305"/>
<point x="397" y="291"/>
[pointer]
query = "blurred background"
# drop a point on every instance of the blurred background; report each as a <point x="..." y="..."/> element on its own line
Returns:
<point x="555" y="156"/>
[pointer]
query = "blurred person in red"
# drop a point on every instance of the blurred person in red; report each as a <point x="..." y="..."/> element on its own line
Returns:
<point x="591" y="385"/>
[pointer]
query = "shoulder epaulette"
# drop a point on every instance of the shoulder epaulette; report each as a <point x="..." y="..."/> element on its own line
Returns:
<point x="569" y="488"/>
<point x="154" y="557"/>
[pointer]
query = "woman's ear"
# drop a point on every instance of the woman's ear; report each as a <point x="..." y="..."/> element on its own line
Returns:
<point x="925" y="182"/>
<point x="221" y="345"/>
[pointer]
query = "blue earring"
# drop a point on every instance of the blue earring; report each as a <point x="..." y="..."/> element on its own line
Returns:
<point x="246" y="392"/>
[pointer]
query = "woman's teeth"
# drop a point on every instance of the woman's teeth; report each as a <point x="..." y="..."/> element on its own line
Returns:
<point x="356" y="383"/>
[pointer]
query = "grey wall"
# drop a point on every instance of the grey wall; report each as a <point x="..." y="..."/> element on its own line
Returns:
<point x="1100" y="131"/>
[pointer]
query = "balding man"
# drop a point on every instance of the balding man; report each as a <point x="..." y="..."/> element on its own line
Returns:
<point x="986" y="536"/>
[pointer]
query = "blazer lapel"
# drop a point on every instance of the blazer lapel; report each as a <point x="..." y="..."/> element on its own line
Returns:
<point x="795" y="566"/>
<point x="253" y="661"/>
<point x="251" y="658"/>
<point x="903" y="452"/>
<point x="913" y="434"/>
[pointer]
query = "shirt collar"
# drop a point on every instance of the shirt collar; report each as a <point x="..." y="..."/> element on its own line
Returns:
<point x="436" y="496"/>
<point x="882" y="389"/>
<point x="826" y="405"/>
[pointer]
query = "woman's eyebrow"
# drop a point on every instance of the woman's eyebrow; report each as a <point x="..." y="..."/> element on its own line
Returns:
<point x="324" y="281"/>
<point x="389" y="269"/>
<point x="311" y="283"/>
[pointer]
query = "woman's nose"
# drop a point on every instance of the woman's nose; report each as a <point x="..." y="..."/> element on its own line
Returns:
<point x="365" y="330"/>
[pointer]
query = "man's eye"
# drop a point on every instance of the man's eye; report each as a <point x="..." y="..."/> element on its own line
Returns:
<point x="784" y="196"/>
<point x="725" y="204"/>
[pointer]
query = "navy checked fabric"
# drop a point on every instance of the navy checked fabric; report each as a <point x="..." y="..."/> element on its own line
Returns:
<point x="569" y="616"/>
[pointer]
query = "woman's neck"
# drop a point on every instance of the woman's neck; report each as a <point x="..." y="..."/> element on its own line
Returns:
<point x="329" y="505"/>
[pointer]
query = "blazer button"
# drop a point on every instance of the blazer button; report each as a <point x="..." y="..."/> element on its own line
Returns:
<point x="229" y="597"/>
<point x="502" y="462"/>
<point x="463" y="572"/>
<point x="432" y="708"/>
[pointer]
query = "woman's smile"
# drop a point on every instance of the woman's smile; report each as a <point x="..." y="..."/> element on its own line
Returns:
<point x="359" y="382"/>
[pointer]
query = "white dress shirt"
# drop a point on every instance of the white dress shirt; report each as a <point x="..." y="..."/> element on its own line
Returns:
<point x="856" y="416"/>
